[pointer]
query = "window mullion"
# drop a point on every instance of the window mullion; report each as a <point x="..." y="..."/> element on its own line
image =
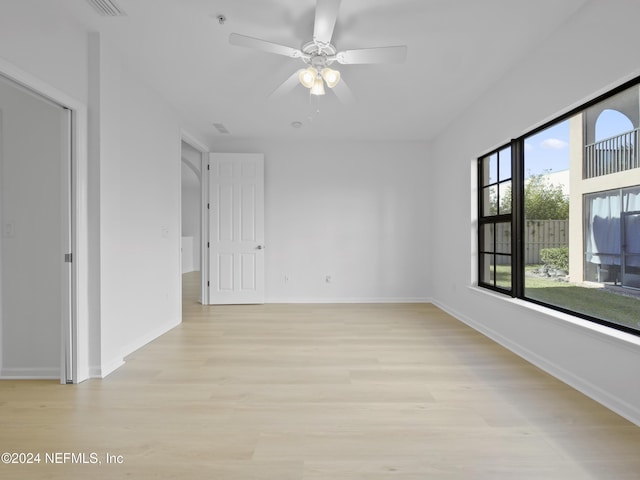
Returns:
<point x="517" y="217"/>
<point x="480" y="262"/>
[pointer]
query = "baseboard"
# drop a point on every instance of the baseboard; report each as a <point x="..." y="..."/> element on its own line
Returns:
<point x="148" y="337"/>
<point x="119" y="360"/>
<point x="32" y="373"/>
<point x="619" y="406"/>
<point x="106" y="368"/>
<point x="338" y="300"/>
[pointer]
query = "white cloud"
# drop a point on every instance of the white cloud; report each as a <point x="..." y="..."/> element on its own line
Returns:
<point x="554" y="143"/>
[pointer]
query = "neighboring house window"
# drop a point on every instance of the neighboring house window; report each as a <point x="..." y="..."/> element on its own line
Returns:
<point x="612" y="237"/>
<point x="563" y="229"/>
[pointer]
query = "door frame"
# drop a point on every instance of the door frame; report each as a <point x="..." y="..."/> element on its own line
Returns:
<point x="204" y="217"/>
<point x="77" y="346"/>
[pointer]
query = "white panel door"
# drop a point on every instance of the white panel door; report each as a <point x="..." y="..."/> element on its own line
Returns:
<point x="236" y="228"/>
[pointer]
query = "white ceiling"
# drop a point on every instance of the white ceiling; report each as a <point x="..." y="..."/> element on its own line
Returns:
<point x="456" y="50"/>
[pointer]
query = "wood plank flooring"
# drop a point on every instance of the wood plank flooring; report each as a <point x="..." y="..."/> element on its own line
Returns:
<point x="315" y="392"/>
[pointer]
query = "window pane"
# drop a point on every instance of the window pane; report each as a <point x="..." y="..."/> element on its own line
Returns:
<point x="503" y="237"/>
<point x="490" y="200"/>
<point x="631" y="199"/>
<point x="547" y="152"/>
<point x="487" y="271"/>
<point x="505" y="164"/>
<point x="602" y="237"/>
<point x="546" y="211"/>
<point x="504" y="195"/>
<point x="486" y="238"/>
<point x="631" y="250"/>
<point x="503" y="271"/>
<point x="490" y="169"/>
<point x="597" y="281"/>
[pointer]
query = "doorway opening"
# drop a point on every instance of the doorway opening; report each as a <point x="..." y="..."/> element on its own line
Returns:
<point x="193" y="220"/>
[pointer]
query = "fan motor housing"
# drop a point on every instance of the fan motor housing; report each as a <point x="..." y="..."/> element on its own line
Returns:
<point x="319" y="55"/>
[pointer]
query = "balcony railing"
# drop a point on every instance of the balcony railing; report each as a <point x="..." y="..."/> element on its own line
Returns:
<point x="611" y="155"/>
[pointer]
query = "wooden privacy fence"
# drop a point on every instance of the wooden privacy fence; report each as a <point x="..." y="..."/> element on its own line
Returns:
<point x="538" y="234"/>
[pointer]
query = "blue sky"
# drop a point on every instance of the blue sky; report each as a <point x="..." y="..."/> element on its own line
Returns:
<point x="547" y="150"/>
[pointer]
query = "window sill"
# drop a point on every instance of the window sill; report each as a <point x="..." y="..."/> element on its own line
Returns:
<point x="602" y="332"/>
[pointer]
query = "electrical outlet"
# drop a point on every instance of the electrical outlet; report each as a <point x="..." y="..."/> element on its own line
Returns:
<point x="327" y="279"/>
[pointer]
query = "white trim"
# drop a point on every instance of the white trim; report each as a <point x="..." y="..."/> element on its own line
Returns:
<point x="193" y="141"/>
<point x="118" y="361"/>
<point x="66" y="221"/>
<point x="621" y="407"/>
<point x="148" y="338"/>
<point x="81" y="245"/>
<point x="204" y="229"/>
<point x="32" y="373"/>
<point x="596" y="330"/>
<point x="106" y="368"/>
<point x="353" y="300"/>
<point x="1" y="237"/>
<point x="80" y="317"/>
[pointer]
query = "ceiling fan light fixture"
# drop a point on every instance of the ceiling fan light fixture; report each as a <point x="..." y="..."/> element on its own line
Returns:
<point x="319" y="54"/>
<point x="307" y="77"/>
<point x="318" y="86"/>
<point x="332" y="77"/>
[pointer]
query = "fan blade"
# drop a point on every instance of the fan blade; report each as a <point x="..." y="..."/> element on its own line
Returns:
<point x="326" y="15"/>
<point x="287" y="86"/>
<point x="373" y="55"/>
<point x="270" y="47"/>
<point x="343" y="92"/>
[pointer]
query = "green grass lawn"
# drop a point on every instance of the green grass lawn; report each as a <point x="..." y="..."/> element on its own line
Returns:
<point x="596" y="302"/>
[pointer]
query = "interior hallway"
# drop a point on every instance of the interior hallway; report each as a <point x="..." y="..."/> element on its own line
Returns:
<point x="284" y="392"/>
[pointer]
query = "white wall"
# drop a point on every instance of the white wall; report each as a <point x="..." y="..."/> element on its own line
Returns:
<point x="589" y="53"/>
<point x="354" y="211"/>
<point x="138" y="156"/>
<point x="31" y="206"/>
<point x="41" y="39"/>
<point x="51" y="51"/>
<point x="134" y="171"/>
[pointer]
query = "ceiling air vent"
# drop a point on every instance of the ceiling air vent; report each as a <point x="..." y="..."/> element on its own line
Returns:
<point x="107" y="8"/>
<point x="221" y="128"/>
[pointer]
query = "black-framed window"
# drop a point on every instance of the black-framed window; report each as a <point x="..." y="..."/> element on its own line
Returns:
<point x="559" y="212"/>
<point x="495" y="218"/>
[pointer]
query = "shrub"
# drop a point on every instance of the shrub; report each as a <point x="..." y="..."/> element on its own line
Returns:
<point x="556" y="257"/>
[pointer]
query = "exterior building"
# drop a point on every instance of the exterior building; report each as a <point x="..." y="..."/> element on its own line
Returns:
<point x="605" y="196"/>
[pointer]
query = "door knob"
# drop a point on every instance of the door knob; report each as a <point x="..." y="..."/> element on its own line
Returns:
<point x="259" y="247"/>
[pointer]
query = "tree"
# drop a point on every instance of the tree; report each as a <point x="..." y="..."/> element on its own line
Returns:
<point x="542" y="200"/>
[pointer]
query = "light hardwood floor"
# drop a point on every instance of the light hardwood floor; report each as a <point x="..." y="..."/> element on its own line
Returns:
<point x="291" y="392"/>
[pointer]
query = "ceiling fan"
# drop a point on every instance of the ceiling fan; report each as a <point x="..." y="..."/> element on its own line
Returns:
<point x="319" y="54"/>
